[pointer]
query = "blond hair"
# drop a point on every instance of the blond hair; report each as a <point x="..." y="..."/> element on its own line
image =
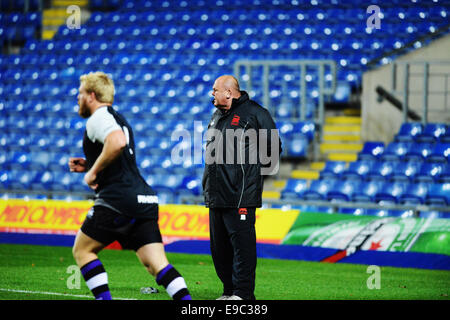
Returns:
<point x="99" y="83"/>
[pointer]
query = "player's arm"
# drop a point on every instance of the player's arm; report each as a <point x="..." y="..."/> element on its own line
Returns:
<point x="114" y="143"/>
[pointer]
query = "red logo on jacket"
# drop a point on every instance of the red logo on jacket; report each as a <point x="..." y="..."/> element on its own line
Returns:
<point x="242" y="210"/>
<point x="235" y="121"/>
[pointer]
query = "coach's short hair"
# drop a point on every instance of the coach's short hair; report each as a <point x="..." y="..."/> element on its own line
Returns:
<point x="99" y="83"/>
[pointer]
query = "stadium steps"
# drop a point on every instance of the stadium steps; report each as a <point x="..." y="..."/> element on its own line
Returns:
<point x="355" y="112"/>
<point x="307" y="174"/>
<point x="341" y="138"/>
<point x="341" y="142"/>
<point x="56" y="16"/>
<point x="273" y="185"/>
<point x="273" y="188"/>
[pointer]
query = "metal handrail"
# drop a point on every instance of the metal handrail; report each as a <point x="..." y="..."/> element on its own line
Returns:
<point x="405" y="92"/>
<point x="384" y="94"/>
<point x="302" y="65"/>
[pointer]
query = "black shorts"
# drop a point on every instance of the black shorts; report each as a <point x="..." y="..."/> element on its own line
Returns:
<point x="106" y="226"/>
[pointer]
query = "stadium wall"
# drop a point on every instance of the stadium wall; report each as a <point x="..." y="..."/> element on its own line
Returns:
<point x="381" y="121"/>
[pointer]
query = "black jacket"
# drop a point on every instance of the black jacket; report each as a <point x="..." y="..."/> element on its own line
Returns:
<point x="230" y="179"/>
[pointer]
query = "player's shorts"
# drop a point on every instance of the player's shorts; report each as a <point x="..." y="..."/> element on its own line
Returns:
<point x="106" y="226"/>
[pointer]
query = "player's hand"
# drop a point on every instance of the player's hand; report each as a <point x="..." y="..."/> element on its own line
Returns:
<point x="77" y="164"/>
<point x="90" y="178"/>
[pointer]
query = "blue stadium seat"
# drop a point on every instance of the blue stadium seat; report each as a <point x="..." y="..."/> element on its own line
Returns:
<point x="318" y="189"/>
<point x="167" y="183"/>
<point x="191" y="184"/>
<point x="438" y="194"/>
<point x="390" y="192"/>
<point x="440" y="153"/>
<point x="296" y="146"/>
<point x="5" y="178"/>
<point x="353" y="211"/>
<point x="39" y="142"/>
<point x="396" y="151"/>
<point x="307" y="128"/>
<point x="367" y="191"/>
<point x="5" y="158"/>
<point x="148" y="161"/>
<point x="285" y="128"/>
<point x="21" y="180"/>
<point x="39" y="160"/>
<point x="333" y="169"/>
<point x="432" y="132"/>
<point x="294" y="188"/>
<point x="418" y="152"/>
<point x="17" y="142"/>
<point x="429" y="172"/>
<point x="343" y="190"/>
<point x="445" y="138"/>
<point x="408" y="132"/>
<point x="371" y="150"/>
<point x="414" y="193"/>
<point x="358" y="169"/>
<point x="42" y="181"/>
<point x="445" y="174"/>
<point x="381" y="170"/>
<point x="20" y="161"/>
<point x="405" y="171"/>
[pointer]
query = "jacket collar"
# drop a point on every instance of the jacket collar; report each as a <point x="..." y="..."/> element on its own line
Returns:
<point x="235" y="103"/>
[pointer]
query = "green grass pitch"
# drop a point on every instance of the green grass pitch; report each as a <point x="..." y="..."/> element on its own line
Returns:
<point x="29" y="272"/>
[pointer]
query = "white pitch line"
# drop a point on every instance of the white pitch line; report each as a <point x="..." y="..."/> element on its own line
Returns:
<point x="56" y="294"/>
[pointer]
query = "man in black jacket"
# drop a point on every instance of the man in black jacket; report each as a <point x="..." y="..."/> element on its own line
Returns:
<point x="242" y="146"/>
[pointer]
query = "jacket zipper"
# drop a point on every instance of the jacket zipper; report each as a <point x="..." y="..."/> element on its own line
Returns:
<point x="242" y="167"/>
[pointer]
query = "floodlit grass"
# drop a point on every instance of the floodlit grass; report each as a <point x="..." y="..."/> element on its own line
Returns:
<point x="29" y="272"/>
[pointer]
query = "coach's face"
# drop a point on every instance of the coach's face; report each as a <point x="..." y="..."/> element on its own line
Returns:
<point x="83" y="98"/>
<point x="221" y="95"/>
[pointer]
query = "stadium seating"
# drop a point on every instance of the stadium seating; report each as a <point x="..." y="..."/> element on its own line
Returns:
<point x="16" y="25"/>
<point x="414" y="193"/>
<point x="439" y="153"/>
<point x="163" y="64"/>
<point x="318" y="189"/>
<point x="371" y="150"/>
<point x="405" y="171"/>
<point x="358" y="169"/>
<point x="438" y="194"/>
<point x="445" y="174"/>
<point x="408" y="171"/>
<point x="367" y="191"/>
<point x="432" y="132"/>
<point x="343" y="190"/>
<point x="395" y="151"/>
<point x="294" y="188"/>
<point x="418" y="151"/>
<point x="381" y="170"/>
<point x="333" y="169"/>
<point x="390" y="192"/>
<point x="430" y="172"/>
<point x="408" y="131"/>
